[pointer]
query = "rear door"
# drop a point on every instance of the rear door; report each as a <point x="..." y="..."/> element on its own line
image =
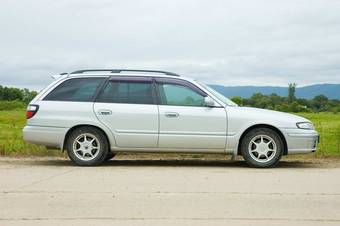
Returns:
<point x="127" y="106"/>
<point x="185" y="121"/>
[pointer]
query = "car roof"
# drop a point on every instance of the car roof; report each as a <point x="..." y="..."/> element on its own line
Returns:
<point x="84" y="75"/>
<point x="115" y="71"/>
<point x="122" y="74"/>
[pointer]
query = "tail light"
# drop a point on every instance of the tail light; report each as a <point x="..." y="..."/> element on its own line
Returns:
<point x="31" y="110"/>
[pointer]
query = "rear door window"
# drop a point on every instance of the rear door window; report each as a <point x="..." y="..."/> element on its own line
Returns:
<point x="129" y="92"/>
<point x="77" y="89"/>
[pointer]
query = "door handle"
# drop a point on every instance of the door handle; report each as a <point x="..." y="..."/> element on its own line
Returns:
<point x="104" y="112"/>
<point x="171" y="114"/>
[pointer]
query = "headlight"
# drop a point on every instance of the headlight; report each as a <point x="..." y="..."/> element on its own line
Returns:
<point x="305" y="125"/>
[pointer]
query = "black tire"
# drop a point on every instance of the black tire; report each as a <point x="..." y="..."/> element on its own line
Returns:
<point x="110" y="155"/>
<point x="101" y="143"/>
<point x="262" y="136"/>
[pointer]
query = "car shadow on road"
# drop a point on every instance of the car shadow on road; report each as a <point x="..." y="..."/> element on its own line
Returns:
<point x="202" y="163"/>
<point x="172" y="163"/>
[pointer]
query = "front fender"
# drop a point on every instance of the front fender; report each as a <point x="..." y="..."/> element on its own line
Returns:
<point x="235" y="133"/>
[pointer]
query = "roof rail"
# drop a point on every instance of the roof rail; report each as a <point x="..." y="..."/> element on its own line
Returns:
<point x="59" y="75"/>
<point x="122" y="70"/>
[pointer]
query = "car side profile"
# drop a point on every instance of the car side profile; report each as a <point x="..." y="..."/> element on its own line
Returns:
<point x="94" y="114"/>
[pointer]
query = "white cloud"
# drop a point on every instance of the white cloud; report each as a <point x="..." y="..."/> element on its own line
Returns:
<point x="227" y="42"/>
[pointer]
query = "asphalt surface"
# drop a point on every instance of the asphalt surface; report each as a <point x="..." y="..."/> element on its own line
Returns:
<point x="153" y="192"/>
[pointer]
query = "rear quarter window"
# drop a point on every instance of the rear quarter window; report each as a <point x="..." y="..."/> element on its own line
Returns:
<point x="76" y="89"/>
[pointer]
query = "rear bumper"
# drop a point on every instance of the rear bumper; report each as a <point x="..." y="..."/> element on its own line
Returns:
<point x="43" y="135"/>
<point x="301" y="141"/>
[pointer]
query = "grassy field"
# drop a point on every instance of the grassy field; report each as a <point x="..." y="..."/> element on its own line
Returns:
<point x="12" y="122"/>
<point x="11" y="142"/>
<point x="328" y="125"/>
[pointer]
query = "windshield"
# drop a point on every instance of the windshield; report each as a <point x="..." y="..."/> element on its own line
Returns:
<point x="220" y="96"/>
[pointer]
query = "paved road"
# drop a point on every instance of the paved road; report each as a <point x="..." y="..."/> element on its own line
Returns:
<point x="189" y="192"/>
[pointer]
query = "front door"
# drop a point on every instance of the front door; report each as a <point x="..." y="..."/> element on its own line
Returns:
<point x="185" y="121"/>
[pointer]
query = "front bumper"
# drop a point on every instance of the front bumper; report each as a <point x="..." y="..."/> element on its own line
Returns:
<point x="301" y="141"/>
<point x="44" y="135"/>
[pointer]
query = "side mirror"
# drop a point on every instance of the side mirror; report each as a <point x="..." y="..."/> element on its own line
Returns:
<point x="209" y="102"/>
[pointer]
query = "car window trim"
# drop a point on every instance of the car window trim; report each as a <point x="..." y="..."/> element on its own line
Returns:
<point x="136" y="79"/>
<point x="104" y="78"/>
<point x="177" y="82"/>
<point x="101" y="87"/>
<point x="131" y="78"/>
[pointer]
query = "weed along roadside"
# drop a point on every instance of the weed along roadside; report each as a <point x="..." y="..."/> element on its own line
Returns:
<point x="12" y="144"/>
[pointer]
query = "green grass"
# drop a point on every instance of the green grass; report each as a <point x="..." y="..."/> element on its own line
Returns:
<point x="12" y="122"/>
<point x="328" y="125"/>
<point x="11" y="142"/>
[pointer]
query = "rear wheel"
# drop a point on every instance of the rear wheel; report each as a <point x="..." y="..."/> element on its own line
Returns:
<point x="110" y="155"/>
<point x="262" y="147"/>
<point x="87" y="146"/>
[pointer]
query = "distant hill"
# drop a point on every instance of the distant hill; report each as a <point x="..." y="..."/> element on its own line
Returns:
<point x="332" y="91"/>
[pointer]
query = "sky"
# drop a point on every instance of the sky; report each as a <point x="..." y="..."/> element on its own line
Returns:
<point x="241" y="42"/>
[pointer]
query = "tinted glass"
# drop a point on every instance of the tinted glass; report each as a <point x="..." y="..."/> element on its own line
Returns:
<point x="127" y="92"/>
<point x="78" y="89"/>
<point x="172" y="94"/>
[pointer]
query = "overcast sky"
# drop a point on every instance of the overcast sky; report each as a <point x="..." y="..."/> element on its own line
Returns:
<point x="248" y="42"/>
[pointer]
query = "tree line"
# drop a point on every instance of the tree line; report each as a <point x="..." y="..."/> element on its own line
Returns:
<point x="290" y="103"/>
<point x="15" y="98"/>
<point x="16" y="94"/>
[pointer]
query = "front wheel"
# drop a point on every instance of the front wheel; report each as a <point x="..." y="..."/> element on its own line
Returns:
<point x="87" y="146"/>
<point x="262" y="147"/>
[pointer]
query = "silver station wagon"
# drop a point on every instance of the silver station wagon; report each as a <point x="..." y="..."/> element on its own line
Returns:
<point x="94" y="114"/>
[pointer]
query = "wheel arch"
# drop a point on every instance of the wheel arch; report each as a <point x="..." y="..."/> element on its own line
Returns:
<point x="285" y="151"/>
<point x="83" y="125"/>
